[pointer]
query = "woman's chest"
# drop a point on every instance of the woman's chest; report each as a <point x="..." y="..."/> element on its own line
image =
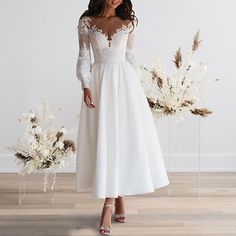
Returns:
<point x="114" y="39"/>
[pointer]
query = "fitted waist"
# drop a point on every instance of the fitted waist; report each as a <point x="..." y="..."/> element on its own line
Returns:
<point x="109" y="56"/>
<point x="110" y="59"/>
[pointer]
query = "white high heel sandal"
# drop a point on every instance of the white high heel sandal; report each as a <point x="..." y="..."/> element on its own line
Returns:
<point x="106" y="229"/>
<point x="121" y="218"/>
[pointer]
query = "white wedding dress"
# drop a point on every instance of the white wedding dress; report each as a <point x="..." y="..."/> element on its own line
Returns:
<point x="118" y="150"/>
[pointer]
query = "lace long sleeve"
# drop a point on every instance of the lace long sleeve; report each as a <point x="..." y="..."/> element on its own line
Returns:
<point x="83" y="67"/>
<point x="131" y="52"/>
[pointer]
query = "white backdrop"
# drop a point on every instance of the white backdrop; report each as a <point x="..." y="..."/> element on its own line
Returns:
<point x="38" y="53"/>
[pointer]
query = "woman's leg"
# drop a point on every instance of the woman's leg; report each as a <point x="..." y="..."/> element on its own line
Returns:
<point x="120" y="205"/>
<point x="106" y="212"/>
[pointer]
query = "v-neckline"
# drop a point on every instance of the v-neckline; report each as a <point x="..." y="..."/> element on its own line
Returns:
<point x="109" y="37"/>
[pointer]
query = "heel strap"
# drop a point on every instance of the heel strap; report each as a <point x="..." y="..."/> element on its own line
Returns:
<point x="119" y="215"/>
<point x="107" y="204"/>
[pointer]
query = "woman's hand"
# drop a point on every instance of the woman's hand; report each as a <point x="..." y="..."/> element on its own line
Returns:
<point x="88" y="98"/>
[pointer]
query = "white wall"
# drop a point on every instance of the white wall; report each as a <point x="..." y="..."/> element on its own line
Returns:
<point x="38" y="52"/>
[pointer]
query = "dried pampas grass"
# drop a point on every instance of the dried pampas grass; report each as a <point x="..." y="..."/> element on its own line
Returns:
<point x="178" y="58"/>
<point x="180" y="93"/>
<point x="196" y="41"/>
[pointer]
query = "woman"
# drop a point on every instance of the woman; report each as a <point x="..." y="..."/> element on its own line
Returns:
<point x="118" y="147"/>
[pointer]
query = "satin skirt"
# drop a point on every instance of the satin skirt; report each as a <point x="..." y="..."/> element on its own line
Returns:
<point x="118" y="149"/>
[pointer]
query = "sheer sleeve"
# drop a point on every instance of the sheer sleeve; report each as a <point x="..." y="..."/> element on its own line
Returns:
<point x="131" y="56"/>
<point x="83" y="67"/>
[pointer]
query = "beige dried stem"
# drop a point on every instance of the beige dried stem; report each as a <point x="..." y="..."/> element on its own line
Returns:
<point x="178" y="58"/>
<point x="196" y="41"/>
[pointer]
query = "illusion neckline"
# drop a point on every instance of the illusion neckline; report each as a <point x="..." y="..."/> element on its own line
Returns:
<point x="109" y="37"/>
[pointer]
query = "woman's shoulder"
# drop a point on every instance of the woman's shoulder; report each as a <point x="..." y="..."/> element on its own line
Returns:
<point x="131" y="24"/>
<point x="84" y="23"/>
<point x="85" y="20"/>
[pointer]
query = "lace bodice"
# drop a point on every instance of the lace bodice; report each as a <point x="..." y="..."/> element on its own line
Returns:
<point x="108" y="46"/>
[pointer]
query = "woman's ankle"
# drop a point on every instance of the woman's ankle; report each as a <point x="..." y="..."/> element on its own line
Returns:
<point x="109" y="201"/>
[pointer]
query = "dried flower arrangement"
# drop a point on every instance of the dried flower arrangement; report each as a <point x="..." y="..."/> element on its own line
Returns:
<point x="40" y="148"/>
<point x="179" y="93"/>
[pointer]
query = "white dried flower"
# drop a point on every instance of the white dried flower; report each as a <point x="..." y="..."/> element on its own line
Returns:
<point x="45" y="152"/>
<point x="61" y="164"/>
<point x="59" y="145"/>
<point x="37" y="130"/>
<point x="63" y="130"/>
<point x="39" y="143"/>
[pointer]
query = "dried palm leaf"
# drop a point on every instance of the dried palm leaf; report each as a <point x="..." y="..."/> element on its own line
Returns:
<point x="151" y="103"/>
<point x="187" y="103"/>
<point x="23" y="157"/>
<point x="69" y="144"/>
<point x="201" y="111"/>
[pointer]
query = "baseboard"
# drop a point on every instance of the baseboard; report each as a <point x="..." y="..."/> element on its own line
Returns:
<point x="206" y="162"/>
<point x="174" y="163"/>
